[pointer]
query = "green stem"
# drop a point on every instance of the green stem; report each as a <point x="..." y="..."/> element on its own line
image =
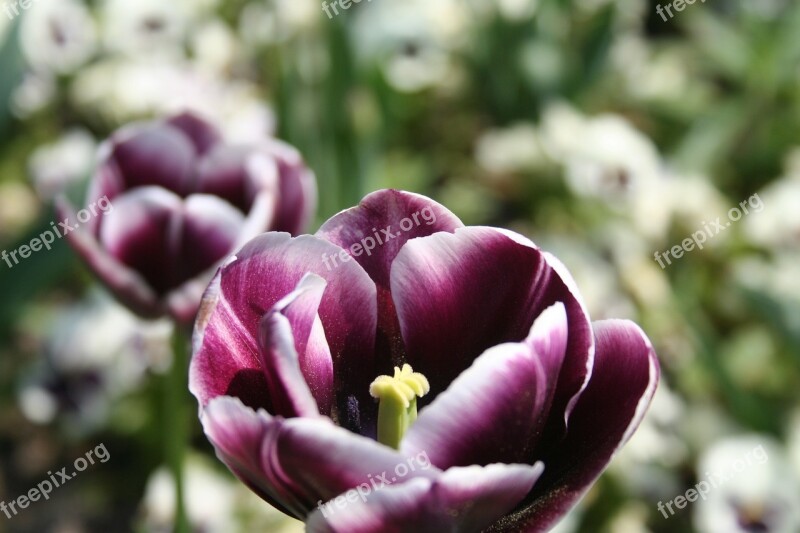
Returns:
<point x="176" y="430"/>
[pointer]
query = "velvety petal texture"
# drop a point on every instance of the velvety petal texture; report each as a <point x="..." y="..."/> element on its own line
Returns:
<point x="468" y="424"/>
<point x="226" y="349"/>
<point x="528" y="401"/>
<point x="461" y="499"/>
<point x="622" y="385"/>
<point x="175" y="201"/>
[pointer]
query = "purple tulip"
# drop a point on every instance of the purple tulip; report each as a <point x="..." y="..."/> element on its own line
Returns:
<point x="175" y="200"/>
<point x="522" y="400"/>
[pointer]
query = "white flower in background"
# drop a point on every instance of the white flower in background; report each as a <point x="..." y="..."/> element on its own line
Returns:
<point x="606" y="158"/>
<point x="778" y="225"/>
<point x="215" y="47"/>
<point x="36" y="91"/>
<point x="54" y="167"/>
<point x="412" y="41"/>
<point x="513" y="149"/>
<point x="95" y="351"/>
<point x="761" y="493"/>
<point x="145" y="26"/>
<point x="603" y="155"/>
<point x="215" y="503"/>
<point x="57" y="35"/>
<point x="122" y="90"/>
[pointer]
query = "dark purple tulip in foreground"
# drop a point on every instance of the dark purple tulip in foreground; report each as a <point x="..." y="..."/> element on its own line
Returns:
<point x="310" y="374"/>
<point x="182" y="201"/>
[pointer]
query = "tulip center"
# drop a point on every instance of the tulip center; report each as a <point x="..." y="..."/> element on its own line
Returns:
<point x="398" y="403"/>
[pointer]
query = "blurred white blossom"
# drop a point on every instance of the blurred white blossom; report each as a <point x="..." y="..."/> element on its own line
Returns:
<point x="57" y="35"/>
<point x="513" y="149"/>
<point x="412" y="40"/>
<point x="95" y="351"/>
<point x="54" y="167"/>
<point x="761" y="493"/>
<point x="123" y="90"/>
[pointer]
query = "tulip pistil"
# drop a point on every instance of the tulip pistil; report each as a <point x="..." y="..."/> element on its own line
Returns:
<point x="398" y="403"/>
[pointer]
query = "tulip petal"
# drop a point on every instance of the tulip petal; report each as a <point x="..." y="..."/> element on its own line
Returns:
<point x="298" y="188"/>
<point x="495" y="410"/>
<point x="166" y="240"/>
<point x="136" y="233"/>
<point x="298" y="462"/>
<point x="460" y="294"/>
<point x="269" y="267"/>
<point x="237" y="174"/>
<point x="465" y="500"/>
<point x="294" y="362"/>
<point x="125" y="284"/>
<point x="154" y="154"/>
<point x="201" y="132"/>
<point x="622" y="384"/>
<point x="205" y="233"/>
<point x="372" y="234"/>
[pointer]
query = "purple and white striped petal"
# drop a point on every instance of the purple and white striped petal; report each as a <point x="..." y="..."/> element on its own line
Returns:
<point x="460" y="294"/>
<point x="495" y="410"/>
<point x="622" y="384"/>
<point x="226" y="360"/>
<point x="463" y="500"/>
<point x="295" y="354"/>
<point x="299" y="462"/>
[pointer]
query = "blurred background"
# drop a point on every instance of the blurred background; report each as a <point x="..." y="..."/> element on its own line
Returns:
<point x="596" y="127"/>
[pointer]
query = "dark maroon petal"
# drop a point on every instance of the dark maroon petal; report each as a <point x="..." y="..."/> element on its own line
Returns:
<point x="201" y="132"/>
<point x="460" y="294"/>
<point x="268" y="268"/>
<point x="622" y="384"/>
<point x="373" y="234"/>
<point x="154" y="154"/>
<point x="206" y="232"/>
<point x="294" y="362"/>
<point x="298" y="462"/>
<point x="238" y="174"/>
<point x="462" y="500"/>
<point x="494" y="411"/>
<point x="166" y="240"/>
<point x="123" y="282"/>
<point x="298" y="188"/>
<point x="136" y="233"/>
